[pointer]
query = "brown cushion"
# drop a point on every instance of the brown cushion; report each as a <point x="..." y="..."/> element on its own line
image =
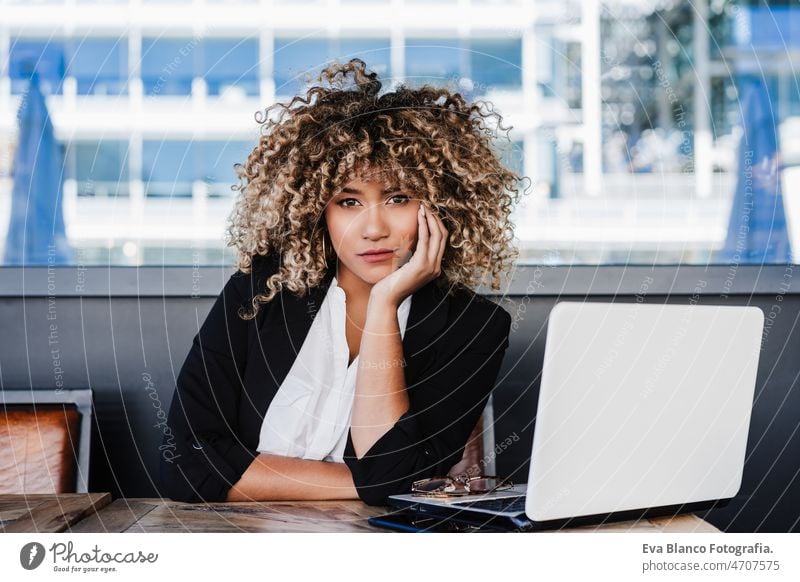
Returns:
<point x="38" y="448"/>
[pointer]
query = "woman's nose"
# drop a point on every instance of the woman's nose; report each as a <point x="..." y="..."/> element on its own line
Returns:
<point x="375" y="223"/>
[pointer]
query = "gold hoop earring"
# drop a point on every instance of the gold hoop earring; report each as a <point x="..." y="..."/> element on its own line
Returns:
<point x="324" y="251"/>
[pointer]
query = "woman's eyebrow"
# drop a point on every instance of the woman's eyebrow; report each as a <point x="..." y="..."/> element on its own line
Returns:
<point x="357" y="191"/>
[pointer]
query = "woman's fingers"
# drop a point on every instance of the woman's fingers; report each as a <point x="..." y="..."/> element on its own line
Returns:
<point x="438" y="241"/>
<point x="432" y="239"/>
<point x="423" y="237"/>
<point x="435" y="237"/>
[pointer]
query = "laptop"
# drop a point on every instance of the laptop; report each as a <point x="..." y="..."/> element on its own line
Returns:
<point x="643" y="410"/>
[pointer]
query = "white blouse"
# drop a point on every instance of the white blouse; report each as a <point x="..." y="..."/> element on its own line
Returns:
<point x="310" y="415"/>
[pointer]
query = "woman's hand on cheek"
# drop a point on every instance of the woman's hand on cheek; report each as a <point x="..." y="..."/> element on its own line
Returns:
<point x="425" y="263"/>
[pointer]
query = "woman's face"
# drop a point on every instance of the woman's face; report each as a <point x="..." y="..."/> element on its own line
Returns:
<point x="366" y="215"/>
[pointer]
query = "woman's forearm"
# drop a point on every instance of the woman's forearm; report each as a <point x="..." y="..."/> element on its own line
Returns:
<point x="277" y="478"/>
<point x="380" y="395"/>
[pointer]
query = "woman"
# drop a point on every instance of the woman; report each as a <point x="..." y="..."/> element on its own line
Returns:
<point x="360" y="217"/>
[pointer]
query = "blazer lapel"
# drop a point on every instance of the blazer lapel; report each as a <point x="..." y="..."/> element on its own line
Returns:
<point x="285" y="327"/>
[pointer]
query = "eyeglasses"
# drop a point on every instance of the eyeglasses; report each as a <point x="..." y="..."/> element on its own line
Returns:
<point x="458" y="485"/>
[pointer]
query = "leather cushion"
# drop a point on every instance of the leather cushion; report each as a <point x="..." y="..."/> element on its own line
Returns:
<point x="38" y="448"/>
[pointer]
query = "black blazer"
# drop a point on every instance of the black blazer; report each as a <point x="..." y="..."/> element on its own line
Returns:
<point x="453" y="347"/>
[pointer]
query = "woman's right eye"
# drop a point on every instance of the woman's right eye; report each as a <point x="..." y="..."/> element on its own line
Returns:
<point x="342" y="202"/>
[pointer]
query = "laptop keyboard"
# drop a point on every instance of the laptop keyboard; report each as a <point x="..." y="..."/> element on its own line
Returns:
<point x="504" y="504"/>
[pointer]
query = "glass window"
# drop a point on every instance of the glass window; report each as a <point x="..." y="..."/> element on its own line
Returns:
<point x="435" y="60"/>
<point x="618" y="171"/>
<point x="294" y="59"/>
<point x="100" y="168"/>
<point x="547" y="56"/>
<point x="45" y="56"/>
<point x="792" y="92"/>
<point x="726" y="105"/>
<point x="559" y="70"/>
<point x="230" y="64"/>
<point x="375" y="52"/>
<point x="569" y="74"/>
<point x="496" y="63"/>
<point x="767" y="27"/>
<point x="168" y="65"/>
<point x="168" y="168"/>
<point x="99" y="65"/>
<point x="216" y="164"/>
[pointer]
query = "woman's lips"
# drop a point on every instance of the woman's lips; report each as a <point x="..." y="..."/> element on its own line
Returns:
<point x="377" y="257"/>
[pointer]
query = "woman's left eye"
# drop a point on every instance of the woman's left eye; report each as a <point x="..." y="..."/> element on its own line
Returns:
<point x="403" y="198"/>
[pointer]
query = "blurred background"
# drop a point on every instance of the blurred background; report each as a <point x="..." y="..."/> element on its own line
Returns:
<point x="653" y="131"/>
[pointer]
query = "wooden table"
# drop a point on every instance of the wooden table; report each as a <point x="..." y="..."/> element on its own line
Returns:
<point x="96" y="513"/>
<point x="48" y="513"/>
<point x="163" y="515"/>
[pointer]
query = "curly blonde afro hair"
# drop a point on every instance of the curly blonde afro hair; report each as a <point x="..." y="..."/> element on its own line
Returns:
<point x="425" y="140"/>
